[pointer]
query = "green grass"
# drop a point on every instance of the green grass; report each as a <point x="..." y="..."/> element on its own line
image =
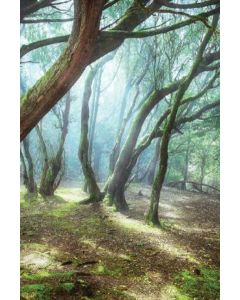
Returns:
<point x="63" y="210"/>
<point x="165" y="225"/>
<point x="41" y="275"/>
<point x="36" y="292"/>
<point x="205" y="286"/>
<point x="68" y="286"/>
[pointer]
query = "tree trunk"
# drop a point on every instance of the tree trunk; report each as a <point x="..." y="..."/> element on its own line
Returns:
<point x="153" y="163"/>
<point x="121" y="171"/>
<point x="83" y="48"/>
<point x="94" y="191"/>
<point x="85" y="158"/>
<point x="185" y="171"/>
<point x="120" y="129"/>
<point x="97" y="161"/>
<point x="65" y="72"/>
<point x="53" y="168"/>
<point x="29" y="181"/>
<point x="95" y="107"/>
<point x="152" y="214"/>
<point x="127" y="157"/>
<point x="202" y="168"/>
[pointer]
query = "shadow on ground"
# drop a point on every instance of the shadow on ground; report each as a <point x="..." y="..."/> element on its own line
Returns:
<point x="72" y="251"/>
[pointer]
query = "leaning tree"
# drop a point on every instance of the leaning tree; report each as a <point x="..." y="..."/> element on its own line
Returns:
<point x="88" y="41"/>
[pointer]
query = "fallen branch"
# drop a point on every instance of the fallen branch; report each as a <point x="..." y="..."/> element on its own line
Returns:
<point x="175" y="183"/>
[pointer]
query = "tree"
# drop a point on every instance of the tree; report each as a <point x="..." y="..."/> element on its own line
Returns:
<point x="28" y="168"/>
<point x="63" y="74"/>
<point x="83" y="154"/>
<point x="128" y="156"/>
<point x="152" y="214"/>
<point x="53" y="168"/>
<point x="85" y="45"/>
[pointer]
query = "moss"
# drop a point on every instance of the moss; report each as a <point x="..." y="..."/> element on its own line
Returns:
<point x="203" y="284"/>
<point x="108" y="200"/>
<point x="64" y="224"/>
<point x="165" y="225"/>
<point x="62" y="210"/>
<point x="68" y="286"/>
<point x="93" y="220"/>
<point x="40" y="87"/>
<point x="36" y="292"/>
<point x="42" y="275"/>
<point x="104" y="270"/>
<point x="28" y="200"/>
<point x="35" y="247"/>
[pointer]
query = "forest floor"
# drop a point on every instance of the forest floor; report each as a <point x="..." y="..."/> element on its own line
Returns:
<point x="73" y="251"/>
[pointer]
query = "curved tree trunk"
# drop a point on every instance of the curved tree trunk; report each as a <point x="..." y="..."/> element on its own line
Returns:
<point x="121" y="172"/>
<point x="85" y="145"/>
<point x="94" y="191"/>
<point x="152" y="214"/>
<point x="84" y="48"/>
<point x="64" y="73"/>
<point x="128" y="157"/>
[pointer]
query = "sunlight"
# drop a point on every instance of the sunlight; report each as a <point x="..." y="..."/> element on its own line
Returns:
<point x="158" y="238"/>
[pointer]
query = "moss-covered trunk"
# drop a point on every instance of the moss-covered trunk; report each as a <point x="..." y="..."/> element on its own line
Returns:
<point x="116" y="197"/>
<point x="122" y="168"/>
<point x="85" y="148"/>
<point x="83" y="153"/>
<point x="65" y="72"/>
<point x="152" y="214"/>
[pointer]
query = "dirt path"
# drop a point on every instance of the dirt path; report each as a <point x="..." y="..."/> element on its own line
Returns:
<point x="71" y="251"/>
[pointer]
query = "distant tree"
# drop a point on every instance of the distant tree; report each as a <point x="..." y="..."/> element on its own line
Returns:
<point x="28" y="167"/>
<point x="53" y="167"/>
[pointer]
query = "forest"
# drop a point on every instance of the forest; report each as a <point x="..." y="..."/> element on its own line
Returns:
<point x="120" y="149"/>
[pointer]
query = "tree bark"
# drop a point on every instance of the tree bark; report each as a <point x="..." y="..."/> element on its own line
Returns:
<point x="64" y="73"/>
<point x="83" y="154"/>
<point x="85" y="145"/>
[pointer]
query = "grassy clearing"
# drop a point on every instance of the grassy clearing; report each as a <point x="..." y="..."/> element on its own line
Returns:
<point x="36" y="292"/>
<point x="130" y="260"/>
<point x="63" y="210"/>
